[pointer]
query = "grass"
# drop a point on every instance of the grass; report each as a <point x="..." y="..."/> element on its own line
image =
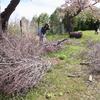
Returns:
<point x="56" y="85"/>
<point x="56" y="36"/>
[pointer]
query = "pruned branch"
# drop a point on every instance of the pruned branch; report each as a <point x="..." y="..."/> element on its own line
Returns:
<point x="21" y="66"/>
<point x="73" y="76"/>
<point x="59" y="42"/>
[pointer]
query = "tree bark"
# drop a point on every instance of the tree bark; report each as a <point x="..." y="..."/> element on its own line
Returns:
<point x="69" y="17"/>
<point x="70" y="27"/>
<point x="5" y="15"/>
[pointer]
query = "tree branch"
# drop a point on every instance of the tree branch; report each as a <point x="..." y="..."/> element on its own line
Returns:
<point x="5" y="15"/>
<point x="10" y="8"/>
<point x="61" y="41"/>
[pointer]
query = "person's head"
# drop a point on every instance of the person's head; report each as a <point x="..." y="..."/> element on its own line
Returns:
<point x="97" y="19"/>
<point x="46" y="25"/>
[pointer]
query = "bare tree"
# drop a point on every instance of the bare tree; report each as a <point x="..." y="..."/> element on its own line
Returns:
<point x="5" y="15"/>
<point x="73" y="7"/>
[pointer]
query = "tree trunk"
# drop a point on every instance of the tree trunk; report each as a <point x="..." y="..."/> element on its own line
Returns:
<point x="0" y="29"/>
<point x="70" y="27"/>
<point x="5" y="15"/>
<point x="69" y="17"/>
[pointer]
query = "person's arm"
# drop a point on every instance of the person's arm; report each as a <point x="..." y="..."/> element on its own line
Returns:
<point x="48" y="28"/>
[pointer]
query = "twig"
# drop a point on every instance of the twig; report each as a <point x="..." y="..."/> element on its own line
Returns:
<point x="73" y="75"/>
<point x="85" y="63"/>
<point x="10" y="63"/>
<point x="7" y="63"/>
<point x="61" y="41"/>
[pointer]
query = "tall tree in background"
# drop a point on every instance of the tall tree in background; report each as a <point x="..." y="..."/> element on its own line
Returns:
<point x="85" y="20"/>
<point x="73" y="7"/>
<point x="42" y="19"/>
<point x="55" y="18"/>
<point x="34" y="21"/>
<point x="56" y="21"/>
<point x="5" y="15"/>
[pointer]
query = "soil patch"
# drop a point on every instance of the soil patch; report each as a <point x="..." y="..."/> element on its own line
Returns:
<point x="56" y="61"/>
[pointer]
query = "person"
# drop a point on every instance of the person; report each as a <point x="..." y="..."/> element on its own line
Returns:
<point x="96" y="26"/>
<point x="43" y="32"/>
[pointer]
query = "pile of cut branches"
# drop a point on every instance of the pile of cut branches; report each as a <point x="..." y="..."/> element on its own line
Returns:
<point x="21" y="64"/>
<point x="92" y="56"/>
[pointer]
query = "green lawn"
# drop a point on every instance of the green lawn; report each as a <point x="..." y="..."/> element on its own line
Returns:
<point x="56" y="85"/>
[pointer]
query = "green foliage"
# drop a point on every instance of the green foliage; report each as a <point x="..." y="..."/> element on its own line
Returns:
<point x="34" y="21"/>
<point x="56" y="22"/>
<point x="42" y="19"/>
<point x="60" y="94"/>
<point x="62" y="57"/>
<point x="56" y="36"/>
<point x="13" y="29"/>
<point x="48" y="96"/>
<point x="0" y="97"/>
<point x="84" y="21"/>
<point x="55" y="18"/>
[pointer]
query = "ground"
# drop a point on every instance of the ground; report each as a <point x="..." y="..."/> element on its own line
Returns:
<point x="55" y="61"/>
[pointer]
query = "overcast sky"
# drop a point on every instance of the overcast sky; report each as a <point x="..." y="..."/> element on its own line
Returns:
<point x="29" y="8"/>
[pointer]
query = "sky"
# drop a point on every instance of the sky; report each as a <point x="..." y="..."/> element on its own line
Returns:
<point x="30" y="8"/>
